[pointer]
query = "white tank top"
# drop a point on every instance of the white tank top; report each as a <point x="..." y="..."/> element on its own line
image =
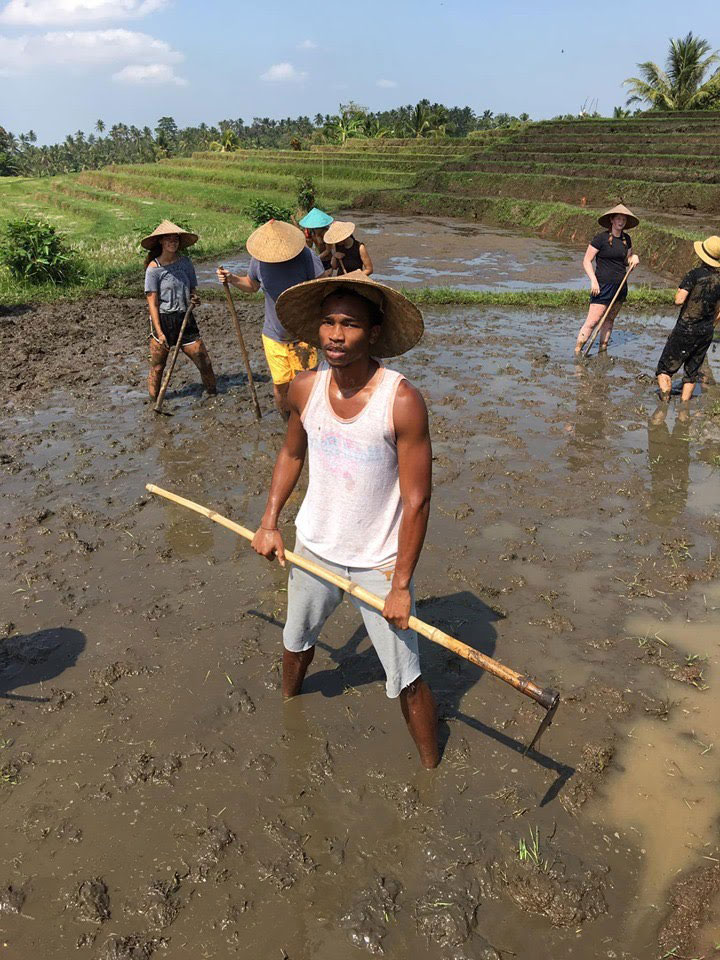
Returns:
<point x="352" y="509"/>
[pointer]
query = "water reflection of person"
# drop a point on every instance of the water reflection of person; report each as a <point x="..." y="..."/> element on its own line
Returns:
<point x="669" y="462"/>
<point x="591" y="424"/>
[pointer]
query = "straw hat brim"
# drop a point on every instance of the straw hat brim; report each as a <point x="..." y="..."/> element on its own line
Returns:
<point x="275" y="242"/>
<point x="164" y="229"/>
<point x="606" y="219"/>
<point x="699" y="247"/>
<point x="339" y="231"/>
<point x="298" y="309"/>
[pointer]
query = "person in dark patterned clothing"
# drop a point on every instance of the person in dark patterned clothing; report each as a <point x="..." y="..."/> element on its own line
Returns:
<point x="698" y="296"/>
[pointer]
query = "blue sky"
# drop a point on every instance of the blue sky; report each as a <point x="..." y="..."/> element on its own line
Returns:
<point x="66" y="63"/>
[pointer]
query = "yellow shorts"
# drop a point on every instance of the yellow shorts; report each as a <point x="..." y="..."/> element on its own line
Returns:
<point x="287" y="359"/>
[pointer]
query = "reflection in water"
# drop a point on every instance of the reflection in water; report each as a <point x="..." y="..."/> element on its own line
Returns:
<point x="187" y="534"/>
<point x="669" y="461"/>
<point x="588" y="432"/>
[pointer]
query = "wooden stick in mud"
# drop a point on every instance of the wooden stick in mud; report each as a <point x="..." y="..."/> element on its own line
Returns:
<point x="545" y="697"/>
<point x="173" y="358"/>
<point x="596" y="331"/>
<point x="243" y="349"/>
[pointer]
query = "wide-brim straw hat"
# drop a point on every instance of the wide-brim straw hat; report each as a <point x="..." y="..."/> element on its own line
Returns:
<point x="605" y="219"/>
<point x="298" y="309"/>
<point x="187" y="239"/>
<point x="339" y="231"/>
<point x="709" y="250"/>
<point x="316" y="219"/>
<point x="275" y="242"/>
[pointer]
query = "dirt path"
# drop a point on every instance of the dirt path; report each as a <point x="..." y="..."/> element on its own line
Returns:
<point x="158" y="798"/>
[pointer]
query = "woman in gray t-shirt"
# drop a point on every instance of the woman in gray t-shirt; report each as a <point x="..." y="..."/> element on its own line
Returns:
<point x="170" y="284"/>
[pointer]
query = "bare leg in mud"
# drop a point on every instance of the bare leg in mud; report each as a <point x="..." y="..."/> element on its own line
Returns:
<point x="195" y="351"/>
<point x="595" y="315"/>
<point x="280" y="392"/>
<point x="416" y="702"/>
<point x="418" y="707"/>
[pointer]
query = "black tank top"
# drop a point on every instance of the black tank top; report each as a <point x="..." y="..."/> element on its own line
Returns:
<point x="352" y="259"/>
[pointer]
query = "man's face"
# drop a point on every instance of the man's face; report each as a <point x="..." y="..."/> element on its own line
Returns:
<point x="346" y="330"/>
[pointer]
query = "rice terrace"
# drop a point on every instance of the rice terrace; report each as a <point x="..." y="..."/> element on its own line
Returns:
<point x="469" y="712"/>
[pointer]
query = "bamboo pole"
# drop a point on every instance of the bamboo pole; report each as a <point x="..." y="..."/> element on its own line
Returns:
<point x="243" y="349"/>
<point x="596" y="331"/>
<point x="173" y="358"/>
<point x="546" y="697"/>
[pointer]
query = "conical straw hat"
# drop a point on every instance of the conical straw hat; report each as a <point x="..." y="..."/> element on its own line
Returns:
<point x="339" y="231"/>
<point x="315" y="219"/>
<point x="632" y="220"/>
<point x="709" y="250"/>
<point x="298" y="310"/>
<point x="167" y="226"/>
<point x="275" y="242"/>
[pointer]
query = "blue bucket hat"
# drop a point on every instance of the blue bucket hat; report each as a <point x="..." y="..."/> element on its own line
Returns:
<point x="316" y="219"/>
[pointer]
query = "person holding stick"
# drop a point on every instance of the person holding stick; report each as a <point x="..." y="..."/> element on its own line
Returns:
<point x="365" y="513"/>
<point x="607" y="258"/>
<point x="698" y="297"/>
<point x="279" y="259"/>
<point x="170" y="285"/>
<point x="348" y="253"/>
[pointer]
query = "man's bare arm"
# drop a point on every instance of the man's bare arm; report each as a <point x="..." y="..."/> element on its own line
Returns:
<point x="415" y="469"/>
<point x="246" y="283"/>
<point x="288" y="467"/>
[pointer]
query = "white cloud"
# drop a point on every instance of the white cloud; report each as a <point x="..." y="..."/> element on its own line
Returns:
<point x="46" y="13"/>
<point x="283" y="73"/>
<point x="387" y="84"/>
<point x="150" y="73"/>
<point x="82" y="50"/>
<point x="307" y="45"/>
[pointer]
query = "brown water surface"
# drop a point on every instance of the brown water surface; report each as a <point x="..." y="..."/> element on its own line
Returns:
<point x="158" y="797"/>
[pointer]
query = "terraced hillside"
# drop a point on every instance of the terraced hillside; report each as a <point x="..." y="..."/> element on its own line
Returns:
<point x="555" y="176"/>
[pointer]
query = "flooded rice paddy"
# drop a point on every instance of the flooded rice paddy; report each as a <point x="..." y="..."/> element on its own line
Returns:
<point x="411" y="251"/>
<point x="160" y="800"/>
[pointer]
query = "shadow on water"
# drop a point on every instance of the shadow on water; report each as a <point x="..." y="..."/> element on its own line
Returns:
<point x="466" y="617"/>
<point x="38" y="657"/>
<point x="669" y="463"/>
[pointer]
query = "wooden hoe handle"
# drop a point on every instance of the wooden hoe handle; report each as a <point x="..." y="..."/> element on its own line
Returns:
<point x="596" y="331"/>
<point x="546" y="697"/>
<point x="243" y="350"/>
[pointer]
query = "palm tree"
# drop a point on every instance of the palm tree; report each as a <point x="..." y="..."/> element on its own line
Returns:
<point x="418" y="123"/>
<point x="99" y="125"/>
<point x="682" y="85"/>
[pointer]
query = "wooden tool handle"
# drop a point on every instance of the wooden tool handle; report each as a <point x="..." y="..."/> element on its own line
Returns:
<point x="243" y="349"/>
<point x="596" y="331"/>
<point x="173" y="358"/>
<point x="522" y="683"/>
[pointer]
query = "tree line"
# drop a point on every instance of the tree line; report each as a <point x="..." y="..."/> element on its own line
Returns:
<point x="687" y="82"/>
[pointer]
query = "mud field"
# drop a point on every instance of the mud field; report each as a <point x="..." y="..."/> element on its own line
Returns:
<point x="158" y="799"/>
<point x="412" y="251"/>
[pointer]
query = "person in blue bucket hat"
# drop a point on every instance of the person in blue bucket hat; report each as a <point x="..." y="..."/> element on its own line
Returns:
<point x="314" y="224"/>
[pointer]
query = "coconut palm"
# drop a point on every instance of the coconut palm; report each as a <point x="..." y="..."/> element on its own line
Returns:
<point x="682" y="85"/>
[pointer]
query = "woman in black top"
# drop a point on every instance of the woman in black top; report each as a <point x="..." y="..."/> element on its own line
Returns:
<point x="606" y="260"/>
<point x="348" y="253"/>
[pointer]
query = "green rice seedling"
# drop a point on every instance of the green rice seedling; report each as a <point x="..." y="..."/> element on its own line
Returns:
<point x="34" y="252"/>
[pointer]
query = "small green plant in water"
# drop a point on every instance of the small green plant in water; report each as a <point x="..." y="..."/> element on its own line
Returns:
<point x="530" y="851"/>
<point x="34" y="252"/>
<point x="260" y="211"/>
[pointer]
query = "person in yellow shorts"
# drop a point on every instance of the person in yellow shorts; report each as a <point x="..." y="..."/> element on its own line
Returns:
<point x="279" y="260"/>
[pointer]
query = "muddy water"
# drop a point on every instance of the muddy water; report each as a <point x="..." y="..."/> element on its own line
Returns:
<point x="157" y="796"/>
<point x="436" y="251"/>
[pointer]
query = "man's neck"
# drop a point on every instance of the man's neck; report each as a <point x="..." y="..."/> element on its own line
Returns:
<point x="355" y="375"/>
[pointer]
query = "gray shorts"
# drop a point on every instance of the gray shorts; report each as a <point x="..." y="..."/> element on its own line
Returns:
<point x="312" y="600"/>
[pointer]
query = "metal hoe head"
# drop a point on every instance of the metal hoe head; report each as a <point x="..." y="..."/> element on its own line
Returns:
<point x="546" y="721"/>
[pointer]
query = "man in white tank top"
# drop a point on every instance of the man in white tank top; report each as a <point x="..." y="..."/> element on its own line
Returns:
<point x="365" y="513"/>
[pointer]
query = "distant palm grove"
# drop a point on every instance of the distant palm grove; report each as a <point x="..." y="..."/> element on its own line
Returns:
<point x="688" y="82"/>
